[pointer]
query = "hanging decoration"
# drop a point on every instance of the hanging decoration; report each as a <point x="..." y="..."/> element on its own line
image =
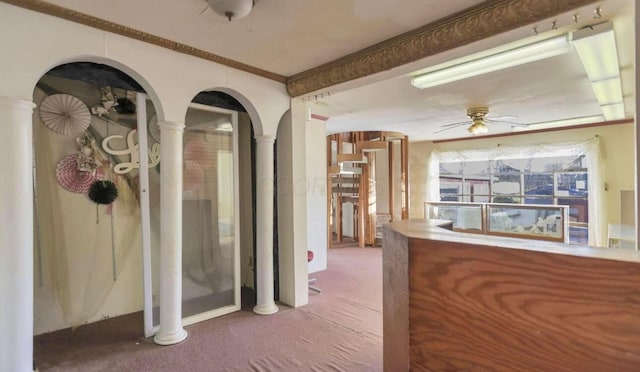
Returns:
<point x="87" y="161"/>
<point x="65" y="114"/>
<point x="103" y="192"/>
<point x="154" y="128"/>
<point x="125" y="106"/>
<point x="132" y="151"/>
<point x="107" y="103"/>
<point x="71" y="178"/>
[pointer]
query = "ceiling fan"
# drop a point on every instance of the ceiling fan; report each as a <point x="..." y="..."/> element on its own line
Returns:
<point x="479" y="120"/>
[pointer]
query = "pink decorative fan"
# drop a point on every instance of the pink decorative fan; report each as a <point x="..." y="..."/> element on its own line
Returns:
<point x="65" y="114"/>
<point x="71" y="178"/>
<point x="200" y="152"/>
<point x="193" y="176"/>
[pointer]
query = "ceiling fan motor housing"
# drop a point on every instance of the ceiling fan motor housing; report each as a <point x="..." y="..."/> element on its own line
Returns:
<point x="477" y="112"/>
<point x="477" y="116"/>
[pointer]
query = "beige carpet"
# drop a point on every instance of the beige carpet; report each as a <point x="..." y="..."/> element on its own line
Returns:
<point x="339" y="330"/>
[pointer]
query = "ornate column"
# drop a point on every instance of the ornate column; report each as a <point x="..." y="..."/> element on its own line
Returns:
<point x="16" y="235"/>
<point x="171" y="331"/>
<point x="264" y="226"/>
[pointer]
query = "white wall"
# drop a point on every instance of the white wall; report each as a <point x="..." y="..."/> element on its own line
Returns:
<point x="419" y="153"/>
<point x="315" y="189"/>
<point x="618" y="162"/>
<point x="292" y="209"/>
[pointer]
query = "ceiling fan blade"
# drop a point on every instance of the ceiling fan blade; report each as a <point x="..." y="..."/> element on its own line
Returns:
<point x="456" y="124"/>
<point x="502" y="117"/>
<point x="449" y="127"/>
<point x="512" y="123"/>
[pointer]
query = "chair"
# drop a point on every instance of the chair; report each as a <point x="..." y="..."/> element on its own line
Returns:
<point x="312" y="280"/>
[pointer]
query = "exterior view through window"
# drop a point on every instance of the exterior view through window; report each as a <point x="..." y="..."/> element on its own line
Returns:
<point x="548" y="180"/>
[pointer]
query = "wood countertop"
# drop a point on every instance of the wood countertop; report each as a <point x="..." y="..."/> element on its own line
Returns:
<point x="430" y="230"/>
<point x="459" y="302"/>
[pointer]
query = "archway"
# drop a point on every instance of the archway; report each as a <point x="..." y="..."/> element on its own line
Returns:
<point x="88" y="261"/>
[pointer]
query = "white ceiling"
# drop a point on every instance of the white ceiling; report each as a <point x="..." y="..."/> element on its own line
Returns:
<point x="281" y="36"/>
<point x="288" y="37"/>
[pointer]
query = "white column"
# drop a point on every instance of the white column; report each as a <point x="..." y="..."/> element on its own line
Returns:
<point x="264" y="226"/>
<point x="16" y="235"/>
<point x="171" y="331"/>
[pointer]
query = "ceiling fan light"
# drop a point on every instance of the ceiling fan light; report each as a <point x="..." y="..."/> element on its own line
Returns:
<point x="478" y="127"/>
<point x="231" y="9"/>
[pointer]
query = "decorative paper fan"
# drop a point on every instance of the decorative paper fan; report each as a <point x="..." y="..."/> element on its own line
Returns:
<point x="154" y="128"/>
<point x="200" y="152"/>
<point x="65" y="114"/>
<point x="193" y="176"/>
<point x="71" y="178"/>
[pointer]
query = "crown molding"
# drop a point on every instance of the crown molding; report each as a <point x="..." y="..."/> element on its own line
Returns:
<point x="104" y="25"/>
<point x="484" y="20"/>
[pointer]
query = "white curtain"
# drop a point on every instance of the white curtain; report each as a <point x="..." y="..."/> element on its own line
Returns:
<point x="80" y="248"/>
<point x="591" y="149"/>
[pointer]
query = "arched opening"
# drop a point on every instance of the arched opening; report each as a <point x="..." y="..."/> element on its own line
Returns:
<point x="87" y="198"/>
<point x="218" y="207"/>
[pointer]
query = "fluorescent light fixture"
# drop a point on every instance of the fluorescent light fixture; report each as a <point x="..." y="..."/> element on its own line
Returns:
<point x="510" y="58"/>
<point x="615" y="110"/>
<point x="596" y="46"/>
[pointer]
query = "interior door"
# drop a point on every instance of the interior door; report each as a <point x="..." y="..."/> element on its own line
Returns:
<point x="210" y="215"/>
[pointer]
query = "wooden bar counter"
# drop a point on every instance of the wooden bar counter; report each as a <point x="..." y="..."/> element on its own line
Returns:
<point x="464" y="302"/>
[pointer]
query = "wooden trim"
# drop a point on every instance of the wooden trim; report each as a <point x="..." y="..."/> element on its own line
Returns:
<point x="358" y="157"/>
<point x="104" y="25"/>
<point x="392" y="187"/>
<point x="404" y="161"/>
<point x="371" y="145"/>
<point x="582" y="126"/>
<point x="362" y="203"/>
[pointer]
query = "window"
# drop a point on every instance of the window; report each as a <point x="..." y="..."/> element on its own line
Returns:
<point x="560" y="180"/>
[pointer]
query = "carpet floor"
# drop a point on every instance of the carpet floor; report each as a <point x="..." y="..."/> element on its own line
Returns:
<point x="339" y="330"/>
